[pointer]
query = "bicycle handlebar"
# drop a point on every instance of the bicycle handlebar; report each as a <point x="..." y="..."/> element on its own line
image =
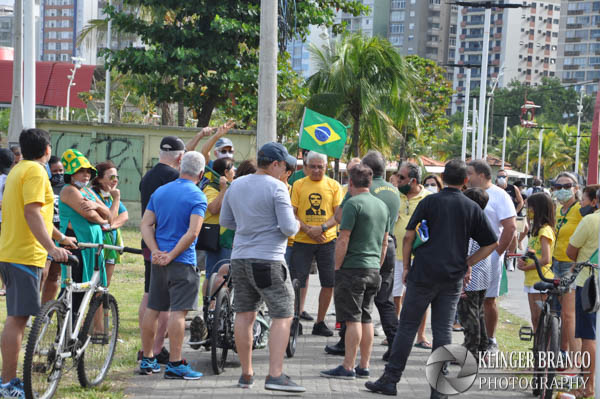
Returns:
<point x="113" y="247"/>
<point x="73" y="261"/>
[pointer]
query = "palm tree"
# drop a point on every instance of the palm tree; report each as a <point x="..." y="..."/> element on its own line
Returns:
<point x="366" y="82"/>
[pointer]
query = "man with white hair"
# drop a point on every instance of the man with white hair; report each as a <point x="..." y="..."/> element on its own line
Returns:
<point x="315" y="199"/>
<point x="170" y="228"/>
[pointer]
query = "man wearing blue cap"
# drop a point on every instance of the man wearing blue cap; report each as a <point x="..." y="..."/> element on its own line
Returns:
<point x="258" y="208"/>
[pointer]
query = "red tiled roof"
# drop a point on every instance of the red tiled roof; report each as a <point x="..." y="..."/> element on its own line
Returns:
<point x="51" y="83"/>
<point x="495" y="161"/>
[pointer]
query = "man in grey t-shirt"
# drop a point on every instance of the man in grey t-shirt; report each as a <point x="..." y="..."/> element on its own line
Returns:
<point x="259" y="209"/>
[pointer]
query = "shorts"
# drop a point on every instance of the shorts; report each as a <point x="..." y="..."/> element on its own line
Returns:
<point x="497" y="263"/>
<point x="354" y="294"/>
<point x="174" y="287"/>
<point x="528" y="289"/>
<point x="255" y="280"/>
<point x="561" y="269"/>
<point x="302" y="256"/>
<point x="22" y="288"/>
<point x="398" y="288"/>
<point x="585" y="323"/>
<point x="147" y="274"/>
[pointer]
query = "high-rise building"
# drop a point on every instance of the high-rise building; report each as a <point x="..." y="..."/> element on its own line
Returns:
<point x="62" y="22"/>
<point x="6" y="26"/>
<point x="426" y="28"/>
<point x="579" y="43"/>
<point x="300" y="54"/>
<point x="374" y="24"/>
<point x="523" y="45"/>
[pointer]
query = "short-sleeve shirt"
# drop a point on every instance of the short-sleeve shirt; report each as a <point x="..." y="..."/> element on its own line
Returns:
<point x="565" y="227"/>
<point x="159" y="175"/>
<point x="174" y="204"/>
<point x="316" y="201"/>
<point x="27" y="183"/>
<point x="211" y="193"/>
<point x="481" y="272"/>
<point x="367" y="217"/>
<point x="452" y="219"/>
<point x="390" y="196"/>
<point x="297" y="175"/>
<point x="407" y="208"/>
<point x="535" y="244"/>
<point x="499" y="207"/>
<point x="585" y="238"/>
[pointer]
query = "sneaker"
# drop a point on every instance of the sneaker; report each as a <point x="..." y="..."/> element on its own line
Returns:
<point x="384" y="385"/>
<point x="361" y="373"/>
<point x="378" y="330"/>
<point x="282" y="383"/>
<point x="198" y="331"/>
<point x="14" y="389"/>
<point x="181" y="372"/>
<point x="339" y="349"/>
<point x="321" y="328"/>
<point x="149" y="365"/>
<point x="305" y="316"/>
<point x="338" y="325"/>
<point x="163" y="356"/>
<point x="492" y="347"/>
<point x="246" y="381"/>
<point x="340" y="373"/>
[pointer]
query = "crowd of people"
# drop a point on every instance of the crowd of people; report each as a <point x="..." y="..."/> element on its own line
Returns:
<point x="403" y="246"/>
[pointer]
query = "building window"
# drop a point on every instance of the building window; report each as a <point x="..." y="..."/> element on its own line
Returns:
<point x="411" y="26"/>
<point x="396" y="28"/>
<point x="412" y="14"/>
<point x="65" y="23"/>
<point x="51" y="57"/>
<point x="453" y="29"/>
<point x="401" y="4"/>
<point x="64" y="57"/>
<point x="67" y="12"/>
<point x="594" y="61"/>
<point x="397" y="16"/>
<point x="594" y="33"/>
<point x="51" y="35"/>
<point x="452" y="41"/>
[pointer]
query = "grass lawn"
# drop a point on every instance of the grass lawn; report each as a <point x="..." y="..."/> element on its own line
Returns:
<point x="127" y="286"/>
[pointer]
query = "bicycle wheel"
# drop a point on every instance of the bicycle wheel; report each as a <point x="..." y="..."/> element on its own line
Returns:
<point x="295" y="327"/>
<point x="101" y="327"/>
<point x="220" y="332"/>
<point x="42" y="367"/>
<point x="551" y="345"/>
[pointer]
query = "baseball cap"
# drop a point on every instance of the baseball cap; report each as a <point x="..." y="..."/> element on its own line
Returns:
<point x="6" y="160"/>
<point x="172" y="143"/>
<point x="291" y="161"/>
<point x="223" y="142"/>
<point x="273" y="152"/>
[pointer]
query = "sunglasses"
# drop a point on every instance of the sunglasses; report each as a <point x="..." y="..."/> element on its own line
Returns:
<point x="430" y="185"/>
<point x="113" y="177"/>
<point x="566" y="185"/>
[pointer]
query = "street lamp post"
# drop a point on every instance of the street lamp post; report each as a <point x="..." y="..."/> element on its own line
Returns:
<point x="107" y="88"/>
<point x="463" y="152"/>
<point x="540" y="153"/>
<point x="579" y="113"/>
<point x="474" y="130"/>
<point x="527" y="163"/>
<point x="76" y="66"/>
<point x="504" y="140"/>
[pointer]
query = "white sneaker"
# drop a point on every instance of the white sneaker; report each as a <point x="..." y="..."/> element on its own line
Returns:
<point x="378" y="330"/>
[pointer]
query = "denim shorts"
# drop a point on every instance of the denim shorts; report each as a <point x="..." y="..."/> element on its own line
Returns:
<point x="255" y="280"/>
<point x="561" y="269"/>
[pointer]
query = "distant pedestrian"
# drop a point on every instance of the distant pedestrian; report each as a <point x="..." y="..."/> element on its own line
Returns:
<point x="433" y="184"/>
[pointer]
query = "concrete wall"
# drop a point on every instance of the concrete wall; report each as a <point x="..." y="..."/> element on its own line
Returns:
<point x="133" y="148"/>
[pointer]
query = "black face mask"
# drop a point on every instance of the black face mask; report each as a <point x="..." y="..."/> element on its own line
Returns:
<point x="57" y="179"/>
<point x="586" y="210"/>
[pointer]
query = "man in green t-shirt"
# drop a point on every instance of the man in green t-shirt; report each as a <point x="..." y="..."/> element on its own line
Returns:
<point x="359" y="253"/>
<point x="299" y="174"/>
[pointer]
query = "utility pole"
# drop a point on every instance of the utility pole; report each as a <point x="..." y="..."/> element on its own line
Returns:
<point x="579" y="113"/>
<point x="504" y="140"/>
<point x="28" y="64"/>
<point x="463" y="152"/>
<point x="16" y="108"/>
<point x="474" y="131"/>
<point x="527" y="163"/>
<point x="266" y="129"/>
<point x="540" y="154"/>
<point x="107" y="88"/>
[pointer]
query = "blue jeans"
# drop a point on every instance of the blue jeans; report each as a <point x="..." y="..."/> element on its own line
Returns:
<point x="443" y="298"/>
<point x="213" y="257"/>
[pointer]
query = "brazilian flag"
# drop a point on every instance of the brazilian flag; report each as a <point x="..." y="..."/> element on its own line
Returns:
<point x="322" y="134"/>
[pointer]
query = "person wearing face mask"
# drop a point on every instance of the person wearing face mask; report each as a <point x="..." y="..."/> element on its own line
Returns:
<point x="589" y="203"/>
<point x="433" y="184"/>
<point x="568" y="216"/>
<point x="82" y="215"/>
<point x="513" y="192"/>
<point x="411" y="193"/>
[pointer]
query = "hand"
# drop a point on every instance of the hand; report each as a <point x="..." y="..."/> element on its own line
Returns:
<point x="222" y="183"/>
<point x="59" y="255"/>
<point x="224" y="128"/>
<point x="205" y="132"/>
<point x="521" y="264"/>
<point x="69" y="242"/>
<point x="116" y="193"/>
<point x="467" y="278"/>
<point x="314" y="232"/>
<point x="157" y="257"/>
<point x="405" y="275"/>
<point x="164" y="259"/>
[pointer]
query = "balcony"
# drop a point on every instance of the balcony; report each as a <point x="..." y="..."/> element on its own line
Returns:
<point x="570" y="67"/>
<point x="463" y="24"/>
<point x="529" y="64"/>
<point x="462" y="37"/>
<point x="461" y="50"/>
<point x="572" y="53"/>
<point x="569" y="80"/>
<point x="575" y="12"/>
<point x="496" y="49"/>
<point x="497" y="35"/>
<point x="498" y="22"/>
<point x="496" y="62"/>
<point x="574" y="26"/>
<point x="460" y="75"/>
<point x="433" y="44"/>
<point x="572" y="40"/>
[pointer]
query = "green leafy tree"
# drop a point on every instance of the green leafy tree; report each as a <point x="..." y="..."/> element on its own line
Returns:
<point x="205" y="53"/>
<point x="359" y="81"/>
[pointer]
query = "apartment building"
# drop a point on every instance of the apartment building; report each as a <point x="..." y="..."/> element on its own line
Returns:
<point x="579" y="44"/>
<point x="6" y="26"/>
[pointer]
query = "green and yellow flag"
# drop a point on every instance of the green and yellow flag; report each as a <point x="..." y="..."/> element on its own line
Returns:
<point x="322" y="134"/>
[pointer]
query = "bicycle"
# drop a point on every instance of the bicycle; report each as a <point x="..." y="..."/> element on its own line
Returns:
<point x="56" y="335"/>
<point x="546" y="338"/>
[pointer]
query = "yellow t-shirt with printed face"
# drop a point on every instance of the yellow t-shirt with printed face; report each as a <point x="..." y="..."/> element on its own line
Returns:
<point x="535" y="244"/>
<point x="27" y="183"/>
<point x="565" y="227"/>
<point x="316" y="201"/>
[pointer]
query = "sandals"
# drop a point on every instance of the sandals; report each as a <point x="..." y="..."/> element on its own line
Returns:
<point x="423" y="345"/>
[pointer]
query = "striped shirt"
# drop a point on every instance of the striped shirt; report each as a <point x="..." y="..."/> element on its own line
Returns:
<point x="481" y="272"/>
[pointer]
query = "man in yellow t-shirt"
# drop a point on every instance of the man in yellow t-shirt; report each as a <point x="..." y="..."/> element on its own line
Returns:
<point x="315" y="199"/>
<point x="25" y="243"/>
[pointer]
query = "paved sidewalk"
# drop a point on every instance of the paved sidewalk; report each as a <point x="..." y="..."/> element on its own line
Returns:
<point x="304" y="368"/>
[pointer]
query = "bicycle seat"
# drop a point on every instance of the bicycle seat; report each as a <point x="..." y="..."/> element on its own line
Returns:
<point x="543" y="286"/>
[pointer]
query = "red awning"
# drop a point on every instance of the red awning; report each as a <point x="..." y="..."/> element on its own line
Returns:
<point x="52" y="81"/>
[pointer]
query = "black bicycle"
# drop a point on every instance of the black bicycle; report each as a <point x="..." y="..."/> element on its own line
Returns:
<point x="296" y="327"/>
<point x="546" y="338"/>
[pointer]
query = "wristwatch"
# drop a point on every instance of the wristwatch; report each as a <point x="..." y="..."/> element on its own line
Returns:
<point x="323" y="227"/>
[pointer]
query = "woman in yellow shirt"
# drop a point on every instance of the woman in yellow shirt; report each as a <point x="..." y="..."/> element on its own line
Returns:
<point x="540" y="212"/>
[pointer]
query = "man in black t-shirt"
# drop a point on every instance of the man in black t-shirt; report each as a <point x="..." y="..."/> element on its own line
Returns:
<point x="438" y="269"/>
<point x="165" y="171"/>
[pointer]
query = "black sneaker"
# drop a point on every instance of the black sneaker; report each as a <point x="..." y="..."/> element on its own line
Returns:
<point x="198" y="331"/>
<point x="361" y="373"/>
<point x="338" y="349"/>
<point x="305" y="316"/>
<point x="246" y="381"/>
<point x="384" y="385"/>
<point x="340" y="373"/>
<point x="163" y="356"/>
<point x="321" y="329"/>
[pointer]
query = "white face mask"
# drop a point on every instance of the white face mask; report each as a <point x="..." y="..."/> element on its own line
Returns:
<point x="431" y="188"/>
<point x="501" y="181"/>
<point x="225" y="154"/>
